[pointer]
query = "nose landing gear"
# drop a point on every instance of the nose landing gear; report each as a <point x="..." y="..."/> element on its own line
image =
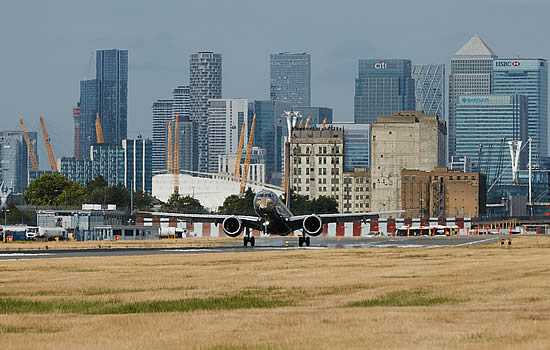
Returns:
<point x="248" y="239"/>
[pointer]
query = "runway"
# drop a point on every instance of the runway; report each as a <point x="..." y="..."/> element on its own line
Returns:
<point x="262" y="244"/>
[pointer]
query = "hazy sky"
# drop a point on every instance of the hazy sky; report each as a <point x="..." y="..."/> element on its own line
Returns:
<point x="46" y="47"/>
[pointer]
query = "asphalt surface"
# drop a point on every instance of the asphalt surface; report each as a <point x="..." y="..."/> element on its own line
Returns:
<point x="262" y="244"/>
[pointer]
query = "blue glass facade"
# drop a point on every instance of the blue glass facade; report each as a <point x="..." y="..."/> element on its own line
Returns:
<point x="112" y="81"/>
<point x="383" y="86"/>
<point x="108" y="161"/>
<point x="14" y="159"/>
<point x="316" y="114"/>
<point x="356" y="145"/>
<point x="290" y="78"/>
<point x="528" y="77"/>
<point x="77" y="170"/>
<point x="484" y="125"/>
<point x="138" y="164"/>
<point x="88" y="112"/>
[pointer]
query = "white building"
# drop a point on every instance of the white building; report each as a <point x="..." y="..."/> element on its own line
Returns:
<point x="256" y="170"/>
<point x="225" y="119"/>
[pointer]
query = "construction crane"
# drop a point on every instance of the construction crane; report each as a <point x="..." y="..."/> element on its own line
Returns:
<point x="53" y="166"/>
<point x="239" y="154"/>
<point x="324" y="123"/>
<point x="169" y="162"/>
<point x="307" y="121"/>
<point x="98" y="131"/>
<point x="34" y="162"/>
<point x="301" y="124"/>
<point x="244" y="179"/>
<point x="176" y="160"/>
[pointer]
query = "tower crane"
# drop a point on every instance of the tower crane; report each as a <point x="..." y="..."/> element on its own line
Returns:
<point x="169" y="162"/>
<point x="98" y="131"/>
<point x="53" y="166"/>
<point x="239" y="154"/>
<point x="324" y="123"/>
<point x="34" y="162"/>
<point x="244" y="179"/>
<point x="301" y="123"/>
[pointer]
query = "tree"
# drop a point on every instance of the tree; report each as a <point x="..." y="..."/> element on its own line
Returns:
<point x="324" y="205"/>
<point x="142" y="200"/>
<point x="302" y="205"/>
<point x="117" y="194"/>
<point x="237" y="205"/>
<point x="184" y="205"/>
<point x="48" y="189"/>
<point x="96" y="190"/>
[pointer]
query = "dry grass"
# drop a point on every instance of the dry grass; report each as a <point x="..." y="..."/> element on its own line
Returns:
<point x="471" y="297"/>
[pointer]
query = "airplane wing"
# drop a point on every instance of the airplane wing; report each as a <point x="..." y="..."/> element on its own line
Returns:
<point x="348" y="217"/>
<point x="252" y="221"/>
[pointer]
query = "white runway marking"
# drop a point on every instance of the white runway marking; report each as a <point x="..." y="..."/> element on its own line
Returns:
<point x="22" y="254"/>
<point x="188" y="250"/>
<point x="477" y="242"/>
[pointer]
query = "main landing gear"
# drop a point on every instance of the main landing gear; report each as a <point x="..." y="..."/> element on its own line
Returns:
<point x="248" y="238"/>
<point x="303" y="240"/>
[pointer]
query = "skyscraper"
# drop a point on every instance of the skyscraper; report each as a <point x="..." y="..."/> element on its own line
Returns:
<point x="137" y="164"/>
<point x="162" y="114"/>
<point x="290" y="78"/>
<point x="112" y="82"/>
<point x="316" y="115"/>
<point x="429" y="82"/>
<point x="14" y="159"/>
<point x="205" y="82"/>
<point x="77" y="123"/>
<point x="383" y="86"/>
<point x="484" y="125"/>
<point x="181" y="101"/>
<point x="471" y="74"/>
<point x="225" y="119"/>
<point x="528" y="77"/>
<point x="88" y="112"/>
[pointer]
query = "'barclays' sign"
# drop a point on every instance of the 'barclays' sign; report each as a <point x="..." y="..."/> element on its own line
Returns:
<point x="475" y="99"/>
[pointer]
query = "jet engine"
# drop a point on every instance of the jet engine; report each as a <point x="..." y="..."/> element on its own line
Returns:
<point x="313" y="225"/>
<point x="232" y="226"/>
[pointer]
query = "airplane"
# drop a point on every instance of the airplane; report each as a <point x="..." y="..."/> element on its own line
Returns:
<point x="273" y="217"/>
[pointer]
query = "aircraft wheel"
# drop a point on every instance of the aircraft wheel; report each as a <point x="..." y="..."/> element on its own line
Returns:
<point x="307" y="239"/>
<point x="300" y="241"/>
<point x="245" y="241"/>
<point x="252" y="241"/>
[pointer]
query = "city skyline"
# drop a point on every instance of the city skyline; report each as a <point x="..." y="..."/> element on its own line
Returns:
<point x="158" y="53"/>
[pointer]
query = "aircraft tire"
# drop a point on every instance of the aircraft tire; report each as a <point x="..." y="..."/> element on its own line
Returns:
<point x="252" y="241"/>
<point x="245" y="241"/>
<point x="300" y="241"/>
<point x="307" y="239"/>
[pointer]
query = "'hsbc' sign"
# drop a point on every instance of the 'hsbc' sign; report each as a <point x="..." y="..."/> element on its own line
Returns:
<point x="380" y="65"/>
<point x="507" y="63"/>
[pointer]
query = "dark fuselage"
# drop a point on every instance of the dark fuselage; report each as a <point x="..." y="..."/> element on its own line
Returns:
<point x="273" y="212"/>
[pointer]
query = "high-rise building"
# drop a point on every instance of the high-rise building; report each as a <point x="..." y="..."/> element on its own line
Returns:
<point x="471" y="74"/>
<point x="316" y="115"/>
<point x="77" y="124"/>
<point x="484" y="125"/>
<point x="205" y="82"/>
<point x="528" y="77"/>
<point x="429" y="82"/>
<point x="406" y="140"/>
<point x="187" y="154"/>
<point x="88" y="112"/>
<point x="112" y="83"/>
<point x="181" y="101"/>
<point x="225" y="119"/>
<point x="108" y="161"/>
<point x="356" y="145"/>
<point x="290" y="78"/>
<point x="383" y="86"/>
<point x="14" y="159"/>
<point x="137" y="164"/>
<point x="77" y="170"/>
<point x="162" y="114"/>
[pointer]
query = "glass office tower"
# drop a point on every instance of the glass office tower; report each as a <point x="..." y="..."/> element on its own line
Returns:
<point x="88" y="112"/>
<point x="14" y="159"/>
<point x="528" y="77"/>
<point x="290" y="78"/>
<point x="383" y="86"/>
<point x="356" y="145"/>
<point x="138" y="165"/>
<point x="484" y="125"/>
<point x="429" y="82"/>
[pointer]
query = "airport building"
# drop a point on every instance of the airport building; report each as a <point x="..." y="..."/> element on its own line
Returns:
<point x="205" y="83"/>
<point x="528" y="77"/>
<point x="225" y="120"/>
<point x="382" y="87"/>
<point x="471" y="74"/>
<point x="484" y="126"/>
<point x="443" y="193"/>
<point x="290" y="78"/>
<point x="429" y="82"/>
<point x="405" y="140"/>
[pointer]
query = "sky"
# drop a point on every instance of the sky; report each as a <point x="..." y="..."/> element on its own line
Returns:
<point x="47" y="47"/>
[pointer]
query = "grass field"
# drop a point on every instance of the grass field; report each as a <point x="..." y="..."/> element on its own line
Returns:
<point x="470" y="297"/>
